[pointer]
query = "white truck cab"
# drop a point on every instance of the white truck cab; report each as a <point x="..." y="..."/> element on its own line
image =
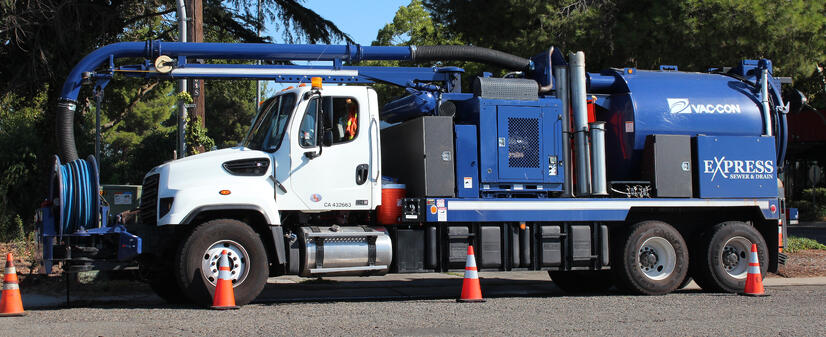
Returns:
<point x="290" y="160"/>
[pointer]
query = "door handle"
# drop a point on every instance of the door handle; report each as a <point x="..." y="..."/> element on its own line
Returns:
<point x="361" y="173"/>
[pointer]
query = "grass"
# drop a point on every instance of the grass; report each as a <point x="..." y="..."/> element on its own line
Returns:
<point x="795" y="244"/>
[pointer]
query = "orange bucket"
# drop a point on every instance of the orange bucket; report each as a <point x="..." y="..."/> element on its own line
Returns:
<point x="391" y="203"/>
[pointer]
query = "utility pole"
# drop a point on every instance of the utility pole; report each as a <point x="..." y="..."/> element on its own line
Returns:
<point x="257" y="82"/>
<point x="182" y="37"/>
<point x="196" y="34"/>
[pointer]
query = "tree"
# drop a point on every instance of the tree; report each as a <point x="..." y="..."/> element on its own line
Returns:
<point x="694" y="34"/>
<point x="41" y="42"/>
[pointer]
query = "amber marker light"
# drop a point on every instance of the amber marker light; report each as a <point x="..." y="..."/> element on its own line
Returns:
<point x="316" y="82"/>
<point x="224" y="192"/>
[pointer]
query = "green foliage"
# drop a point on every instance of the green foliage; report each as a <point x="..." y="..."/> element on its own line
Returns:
<point x="413" y="25"/>
<point x="197" y="140"/>
<point x="795" y="244"/>
<point x="18" y="161"/>
<point x="230" y="108"/>
<point x="812" y="204"/>
<point x="693" y="34"/>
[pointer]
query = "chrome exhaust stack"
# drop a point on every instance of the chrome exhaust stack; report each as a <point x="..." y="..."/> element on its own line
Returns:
<point x="580" y="126"/>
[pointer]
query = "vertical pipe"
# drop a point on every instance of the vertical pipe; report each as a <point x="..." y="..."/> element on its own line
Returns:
<point x="764" y="99"/>
<point x="580" y="113"/>
<point x="98" y="98"/>
<point x="599" y="177"/>
<point x="562" y="92"/>
<point x="181" y="83"/>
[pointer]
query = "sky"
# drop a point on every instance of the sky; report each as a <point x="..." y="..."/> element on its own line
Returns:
<point x="361" y="19"/>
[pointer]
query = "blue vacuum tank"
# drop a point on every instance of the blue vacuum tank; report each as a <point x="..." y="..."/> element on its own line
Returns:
<point x="669" y="102"/>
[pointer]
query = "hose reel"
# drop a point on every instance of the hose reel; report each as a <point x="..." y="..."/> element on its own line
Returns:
<point x="74" y="194"/>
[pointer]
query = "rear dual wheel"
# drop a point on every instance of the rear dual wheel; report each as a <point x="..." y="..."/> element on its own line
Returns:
<point x="652" y="260"/>
<point x="720" y="262"/>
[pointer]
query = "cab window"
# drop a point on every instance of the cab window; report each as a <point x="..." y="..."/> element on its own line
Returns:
<point x="340" y="115"/>
<point x="268" y="129"/>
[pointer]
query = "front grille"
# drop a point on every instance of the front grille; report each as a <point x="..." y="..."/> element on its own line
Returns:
<point x="149" y="200"/>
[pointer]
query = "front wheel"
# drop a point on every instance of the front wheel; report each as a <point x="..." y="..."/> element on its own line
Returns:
<point x="197" y="261"/>
<point x="721" y="262"/>
<point x="653" y="259"/>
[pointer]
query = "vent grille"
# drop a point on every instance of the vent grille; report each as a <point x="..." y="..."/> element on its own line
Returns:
<point x="248" y="167"/>
<point x="523" y="142"/>
<point x="149" y="200"/>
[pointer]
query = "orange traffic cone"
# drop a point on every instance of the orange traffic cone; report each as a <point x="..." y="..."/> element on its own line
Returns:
<point x="471" y="291"/>
<point x="754" y="281"/>
<point x="10" y="303"/>
<point x="224" y="296"/>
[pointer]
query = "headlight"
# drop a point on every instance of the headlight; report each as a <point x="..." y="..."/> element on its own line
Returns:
<point x="247" y="167"/>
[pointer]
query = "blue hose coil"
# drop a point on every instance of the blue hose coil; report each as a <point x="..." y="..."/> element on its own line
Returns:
<point x="75" y="191"/>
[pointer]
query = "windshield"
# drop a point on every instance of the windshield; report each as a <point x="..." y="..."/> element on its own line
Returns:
<point x="269" y="127"/>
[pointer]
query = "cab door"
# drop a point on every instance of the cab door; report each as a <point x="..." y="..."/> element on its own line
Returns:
<point x="338" y="176"/>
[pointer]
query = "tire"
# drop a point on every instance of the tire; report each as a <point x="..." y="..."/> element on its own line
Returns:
<point x="582" y="282"/>
<point x="203" y="247"/>
<point x="652" y="260"/>
<point x="686" y="281"/>
<point x="721" y="259"/>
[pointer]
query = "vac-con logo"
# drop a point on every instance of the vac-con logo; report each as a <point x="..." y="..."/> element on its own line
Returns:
<point x="683" y="106"/>
<point x="739" y="169"/>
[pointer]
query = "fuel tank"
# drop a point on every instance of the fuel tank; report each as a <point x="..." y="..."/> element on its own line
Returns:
<point x="670" y="102"/>
<point x="345" y="250"/>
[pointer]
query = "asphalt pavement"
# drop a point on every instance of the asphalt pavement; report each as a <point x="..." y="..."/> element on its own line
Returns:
<point x="789" y="310"/>
<point x="518" y="303"/>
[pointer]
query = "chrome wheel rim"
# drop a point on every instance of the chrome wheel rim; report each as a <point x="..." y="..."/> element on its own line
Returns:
<point x="238" y="262"/>
<point x="657" y="258"/>
<point x="734" y="258"/>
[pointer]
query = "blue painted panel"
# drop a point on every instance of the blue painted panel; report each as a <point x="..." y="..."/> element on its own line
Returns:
<point x="736" y="167"/>
<point x="467" y="162"/>
<point x="552" y="144"/>
<point x="519" y="144"/>
<point x="488" y="154"/>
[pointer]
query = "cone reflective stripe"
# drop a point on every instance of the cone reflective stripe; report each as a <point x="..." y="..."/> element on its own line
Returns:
<point x="471" y="290"/>
<point x="470" y="265"/>
<point x="224" y="296"/>
<point x="11" y="304"/>
<point x="754" y="281"/>
<point x="754" y="267"/>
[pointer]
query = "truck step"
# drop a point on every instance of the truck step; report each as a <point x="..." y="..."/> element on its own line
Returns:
<point x="346" y="269"/>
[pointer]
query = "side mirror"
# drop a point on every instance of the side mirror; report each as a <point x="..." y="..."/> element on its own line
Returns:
<point x="796" y="99"/>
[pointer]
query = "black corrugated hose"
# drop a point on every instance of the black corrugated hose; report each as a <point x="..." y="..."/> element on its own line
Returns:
<point x="471" y="53"/>
<point x="66" y="131"/>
